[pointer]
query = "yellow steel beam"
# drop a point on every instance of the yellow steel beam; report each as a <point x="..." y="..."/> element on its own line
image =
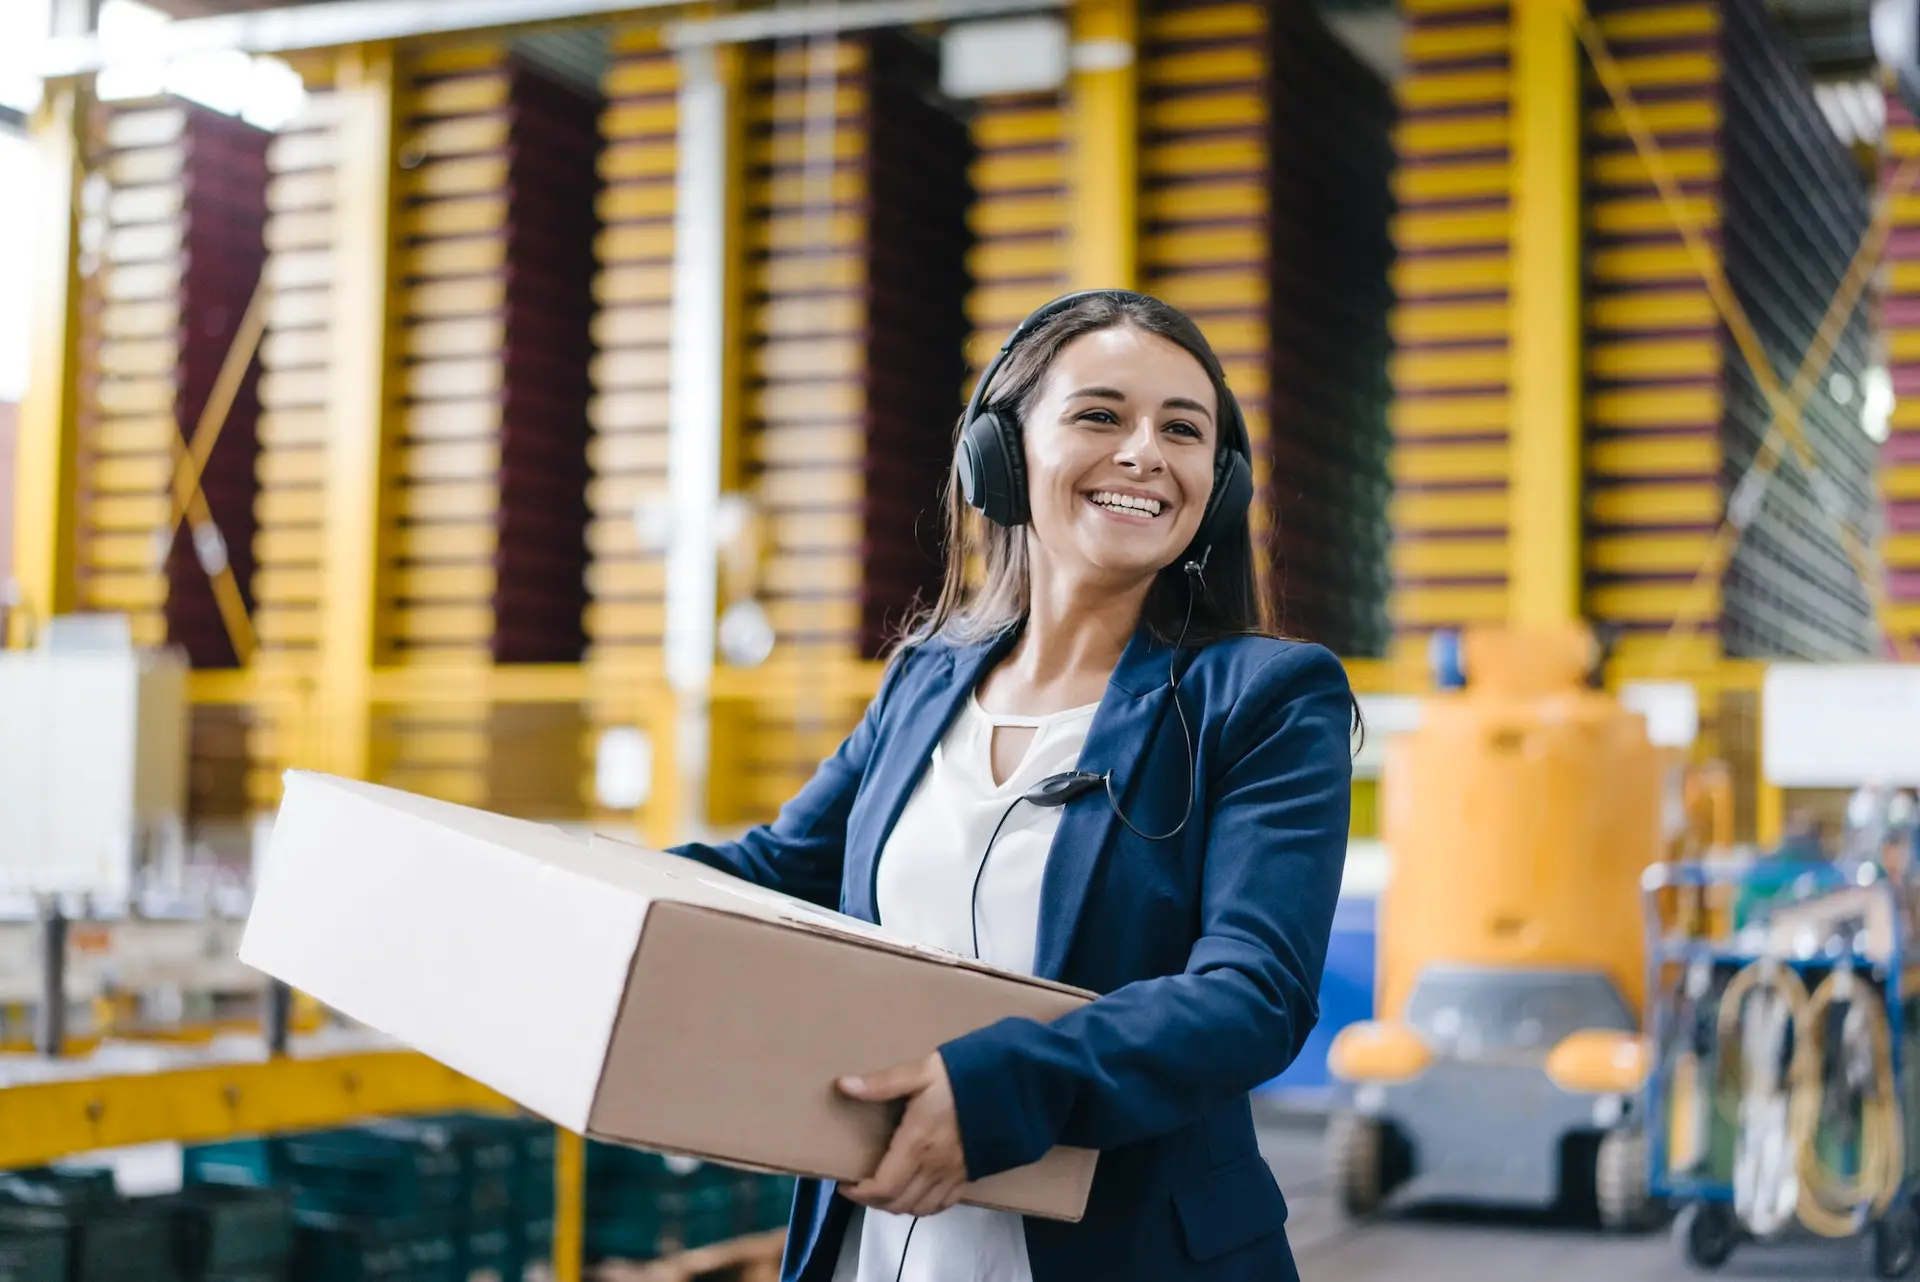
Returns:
<point x="46" y="461"/>
<point x="1544" y="577"/>
<point x="43" y="1121"/>
<point x="569" y="1206"/>
<point x="362" y="334"/>
<point x="730" y="66"/>
<point x="1104" y="177"/>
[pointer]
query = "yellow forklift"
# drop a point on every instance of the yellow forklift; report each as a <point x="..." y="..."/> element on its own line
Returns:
<point x="1505" y="1058"/>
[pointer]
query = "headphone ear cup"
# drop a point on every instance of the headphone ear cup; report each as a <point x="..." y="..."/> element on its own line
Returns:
<point x="993" y="471"/>
<point x="1227" y="505"/>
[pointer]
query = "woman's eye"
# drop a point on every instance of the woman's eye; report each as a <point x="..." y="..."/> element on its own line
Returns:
<point x="1184" y="428"/>
<point x="1098" y="416"/>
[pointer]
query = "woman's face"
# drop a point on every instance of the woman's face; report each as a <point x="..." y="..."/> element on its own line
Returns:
<point x="1120" y="447"/>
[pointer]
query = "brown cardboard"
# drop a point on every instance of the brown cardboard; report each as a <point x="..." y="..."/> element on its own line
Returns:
<point x="626" y="993"/>
<point x="780" y="1014"/>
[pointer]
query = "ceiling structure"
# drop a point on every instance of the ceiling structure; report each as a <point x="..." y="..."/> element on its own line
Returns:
<point x="1833" y="37"/>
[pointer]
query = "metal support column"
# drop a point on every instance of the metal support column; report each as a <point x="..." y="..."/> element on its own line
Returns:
<point x="361" y="410"/>
<point x="1103" y="201"/>
<point x="569" y="1206"/>
<point x="50" y="1019"/>
<point x="46" y="472"/>
<point x="697" y="411"/>
<point x="1544" y="488"/>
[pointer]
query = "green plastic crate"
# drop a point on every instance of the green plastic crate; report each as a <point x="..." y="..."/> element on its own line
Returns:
<point x="650" y="1224"/>
<point x="133" y="1240"/>
<point x="59" y="1187"/>
<point x="365" y="1173"/>
<point x="422" y="1247"/>
<point x="221" y="1228"/>
<point x="534" y="1249"/>
<point x="488" y="1155"/>
<point x="116" y="1241"/>
<point x="29" y="1254"/>
<point x="774" y="1203"/>
<point x="491" y="1254"/>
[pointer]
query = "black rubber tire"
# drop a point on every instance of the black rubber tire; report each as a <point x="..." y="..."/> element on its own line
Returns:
<point x="1356" y="1162"/>
<point x="1620" y="1192"/>
<point x="1706" y="1233"/>
<point x="1893" y="1243"/>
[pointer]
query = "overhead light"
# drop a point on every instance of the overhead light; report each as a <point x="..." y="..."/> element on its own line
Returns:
<point x="1877" y="413"/>
<point x="623" y="768"/>
<point x="1003" y="56"/>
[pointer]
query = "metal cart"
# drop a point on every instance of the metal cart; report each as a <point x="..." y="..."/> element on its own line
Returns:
<point x="1776" y="926"/>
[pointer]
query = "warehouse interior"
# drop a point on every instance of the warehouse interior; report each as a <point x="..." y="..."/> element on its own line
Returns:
<point x="546" y="406"/>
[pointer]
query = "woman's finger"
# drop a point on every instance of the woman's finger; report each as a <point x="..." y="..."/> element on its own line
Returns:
<point x="889" y="1179"/>
<point x="945" y="1194"/>
<point x="920" y="1196"/>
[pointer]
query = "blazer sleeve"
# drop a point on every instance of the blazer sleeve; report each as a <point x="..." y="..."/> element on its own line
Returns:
<point x="1154" y="1055"/>
<point x="802" y="852"/>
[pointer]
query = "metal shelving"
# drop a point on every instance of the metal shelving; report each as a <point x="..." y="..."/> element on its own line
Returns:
<point x="1452" y="407"/>
<point x="1675" y="415"/>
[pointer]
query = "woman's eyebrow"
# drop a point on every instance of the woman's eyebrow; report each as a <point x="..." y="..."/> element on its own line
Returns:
<point x="1115" y="394"/>
<point x="1182" y="403"/>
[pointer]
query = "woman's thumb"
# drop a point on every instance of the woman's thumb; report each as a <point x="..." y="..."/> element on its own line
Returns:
<point x="888" y="1083"/>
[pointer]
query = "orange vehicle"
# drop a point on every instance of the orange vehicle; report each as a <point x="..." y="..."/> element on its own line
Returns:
<point x="1502" y="1064"/>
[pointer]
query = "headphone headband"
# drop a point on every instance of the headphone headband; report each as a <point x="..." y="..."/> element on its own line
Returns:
<point x="1034" y="320"/>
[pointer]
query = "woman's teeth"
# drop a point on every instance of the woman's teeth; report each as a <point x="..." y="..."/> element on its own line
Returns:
<point x="1127" y="503"/>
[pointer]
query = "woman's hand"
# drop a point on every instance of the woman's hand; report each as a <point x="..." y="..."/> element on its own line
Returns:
<point x="925" y="1165"/>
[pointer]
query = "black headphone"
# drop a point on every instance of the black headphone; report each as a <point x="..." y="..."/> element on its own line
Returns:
<point x="993" y="464"/>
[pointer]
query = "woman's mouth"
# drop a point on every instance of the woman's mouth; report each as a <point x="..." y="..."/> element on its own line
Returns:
<point x="1127" y="507"/>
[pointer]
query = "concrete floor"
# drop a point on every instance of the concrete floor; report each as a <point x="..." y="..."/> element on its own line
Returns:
<point x="1433" y="1246"/>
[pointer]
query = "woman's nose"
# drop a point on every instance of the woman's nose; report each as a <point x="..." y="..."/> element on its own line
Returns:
<point x="1141" y="449"/>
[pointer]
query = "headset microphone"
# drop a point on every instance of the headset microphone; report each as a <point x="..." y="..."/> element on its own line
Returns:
<point x="1058" y="790"/>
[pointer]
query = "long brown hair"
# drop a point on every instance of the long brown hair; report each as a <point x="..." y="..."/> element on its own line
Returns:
<point x="1232" y="603"/>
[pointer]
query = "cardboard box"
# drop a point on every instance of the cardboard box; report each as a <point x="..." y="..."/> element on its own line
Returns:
<point x="624" y="993"/>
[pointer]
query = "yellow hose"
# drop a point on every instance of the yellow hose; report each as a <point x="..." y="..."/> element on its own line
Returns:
<point x="1829" y="1200"/>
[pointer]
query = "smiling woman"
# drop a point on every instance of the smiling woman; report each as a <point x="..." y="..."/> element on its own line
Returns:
<point x="1124" y="377"/>
<point x="1030" y="788"/>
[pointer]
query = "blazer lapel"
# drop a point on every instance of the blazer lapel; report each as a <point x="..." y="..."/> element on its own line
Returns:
<point x="1135" y="701"/>
<point x="903" y="758"/>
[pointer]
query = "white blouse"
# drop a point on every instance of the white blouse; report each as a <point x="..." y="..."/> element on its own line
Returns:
<point x="925" y="889"/>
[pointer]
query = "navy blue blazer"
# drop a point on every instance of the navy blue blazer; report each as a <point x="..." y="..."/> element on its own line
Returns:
<point x="1207" y="948"/>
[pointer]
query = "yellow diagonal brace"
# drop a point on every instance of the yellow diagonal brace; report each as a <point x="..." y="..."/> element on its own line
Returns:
<point x="1786" y="416"/>
<point x="1866" y="260"/>
<point x="190" y="463"/>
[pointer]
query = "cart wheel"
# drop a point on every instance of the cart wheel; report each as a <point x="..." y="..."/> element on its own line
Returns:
<point x="1893" y="1243"/>
<point x="1620" y="1191"/>
<point x="1706" y="1234"/>
<point x="1356" y="1162"/>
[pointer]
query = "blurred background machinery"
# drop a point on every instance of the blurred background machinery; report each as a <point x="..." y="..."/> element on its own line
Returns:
<point x="1510" y="992"/>
<point x="551" y="416"/>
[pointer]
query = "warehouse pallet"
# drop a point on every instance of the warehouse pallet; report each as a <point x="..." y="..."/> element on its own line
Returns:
<point x="755" y="1258"/>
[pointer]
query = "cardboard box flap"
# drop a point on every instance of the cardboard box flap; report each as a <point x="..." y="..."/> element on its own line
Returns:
<point x="691" y="882"/>
<point x="527" y="1011"/>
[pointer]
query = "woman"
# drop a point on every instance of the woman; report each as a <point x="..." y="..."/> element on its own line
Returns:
<point x="1096" y="768"/>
